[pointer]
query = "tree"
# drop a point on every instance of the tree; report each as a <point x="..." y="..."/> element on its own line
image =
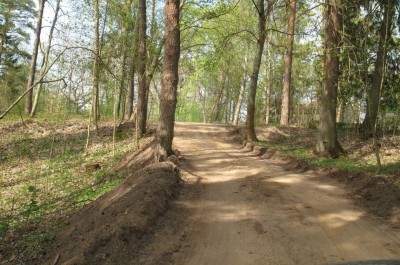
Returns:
<point x="287" y="77"/>
<point x="129" y="108"/>
<point x="375" y="91"/>
<point x="268" y="86"/>
<point x="251" y="107"/>
<point x="45" y="59"/>
<point x="131" y="90"/>
<point x="32" y="70"/>
<point x="142" y="55"/>
<point x="96" y="64"/>
<point x="240" y="96"/>
<point x="15" y="17"/>
<point x="170" y="78"/>
<point x="15" y="22"/>
<point x="328" y="143"/>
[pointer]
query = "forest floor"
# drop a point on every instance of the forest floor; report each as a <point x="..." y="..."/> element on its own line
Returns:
<point x="360" y="157"/>
<point x="240" y="208"/>
<point x="47" y="174"/>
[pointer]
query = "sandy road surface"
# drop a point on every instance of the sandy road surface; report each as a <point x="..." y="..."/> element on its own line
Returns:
<point x="238" y="209"/>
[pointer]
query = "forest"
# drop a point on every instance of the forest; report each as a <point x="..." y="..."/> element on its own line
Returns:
<point x="183" y="123"/>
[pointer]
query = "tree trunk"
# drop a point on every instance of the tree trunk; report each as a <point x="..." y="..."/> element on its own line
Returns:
<point x="131" y="91"/>
<point x="238" y="106"/>
<point x="142" y="91"/>
<point x="124" y="51"/>
<point x="32" y="70"/>
<point x="340" y="115"/>
<point x="129" y="105"/>
<point x="269" y="86"/>
<point x="327" y="143"/>
<point x="3" y="38"/>
<point x="251" y="106"/>
<point x="170" y="78"/>
<point x="374" y="93"/>
<point x="287" y="78"/>
<point x="96" y="64"/>
<point x="217" y="104"/>
<point x="45" y="60"/>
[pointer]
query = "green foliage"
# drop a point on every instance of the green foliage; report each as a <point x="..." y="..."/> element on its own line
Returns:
<point x="344" y="163"/>
<point x="3" y="228"/>
<point x="32" y="208"/>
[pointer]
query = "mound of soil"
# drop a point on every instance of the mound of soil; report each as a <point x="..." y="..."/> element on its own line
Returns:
<point x="144" y="156"/>
<point x="108" y="231"/>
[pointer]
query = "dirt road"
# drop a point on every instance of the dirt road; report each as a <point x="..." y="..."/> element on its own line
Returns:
<point x="238" y="209"/>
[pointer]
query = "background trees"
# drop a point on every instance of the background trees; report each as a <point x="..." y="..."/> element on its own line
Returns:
<point x="15" y="24"/>
<point x="226" y="75"/>
<point x="32" y="69"/>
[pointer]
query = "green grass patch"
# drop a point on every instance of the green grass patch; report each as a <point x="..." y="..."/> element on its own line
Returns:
<point x="43" y="176"/>
<point x="344" y="163"/>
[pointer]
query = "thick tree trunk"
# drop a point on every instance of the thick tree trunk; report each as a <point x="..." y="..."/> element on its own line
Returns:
<point x="96" y="64"/>
<point x="251" y="106"/>
<point x="327" y="143"/>
<point x="288" y="61"/>
<point x="374" y="93"/>
<point x="32" y="70"/>
<point x="170" y="78"/>
<point x="45" y="60"/>
<point x="142" y="56"/>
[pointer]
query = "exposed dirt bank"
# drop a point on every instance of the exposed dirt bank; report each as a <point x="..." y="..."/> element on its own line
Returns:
<point x="109" y="230"/>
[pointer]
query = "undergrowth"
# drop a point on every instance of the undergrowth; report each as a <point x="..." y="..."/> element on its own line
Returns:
<point x="46" y="174"/>
<point x="299" y="145"/>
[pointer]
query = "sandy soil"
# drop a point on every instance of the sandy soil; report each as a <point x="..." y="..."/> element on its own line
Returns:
<point x="237" y="208"/>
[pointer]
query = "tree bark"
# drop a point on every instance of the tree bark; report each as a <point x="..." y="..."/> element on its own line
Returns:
<point x="129" y="105"/>
<point x="340" y="115"/>
<point x="170" y="78"/>
<point x="374" y="93"/>
<point x="217" y="104"/>
<point x="288" y="61"/>
<point x="96" y="64"/>
<point x="131" y="91"/>
<point x="238" y="106"/>
<point x="32" y="70"/>
<point x="328" y="143"/>
<point x="121" y="92"/>
<point x="142" y="56"/>
<point x="251" y="107"/>
<point x="45" y="59"/>
<point x="268" y="90"/>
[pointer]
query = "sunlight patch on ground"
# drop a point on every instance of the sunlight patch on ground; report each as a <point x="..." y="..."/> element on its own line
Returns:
<point x="288" y="179"/>
<point x="340" y="219"/>
<point x="326" y="187"/>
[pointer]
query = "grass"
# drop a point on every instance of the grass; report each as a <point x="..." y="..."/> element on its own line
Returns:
<point x="43" y="177"/>
<point x="299" y="144"/>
